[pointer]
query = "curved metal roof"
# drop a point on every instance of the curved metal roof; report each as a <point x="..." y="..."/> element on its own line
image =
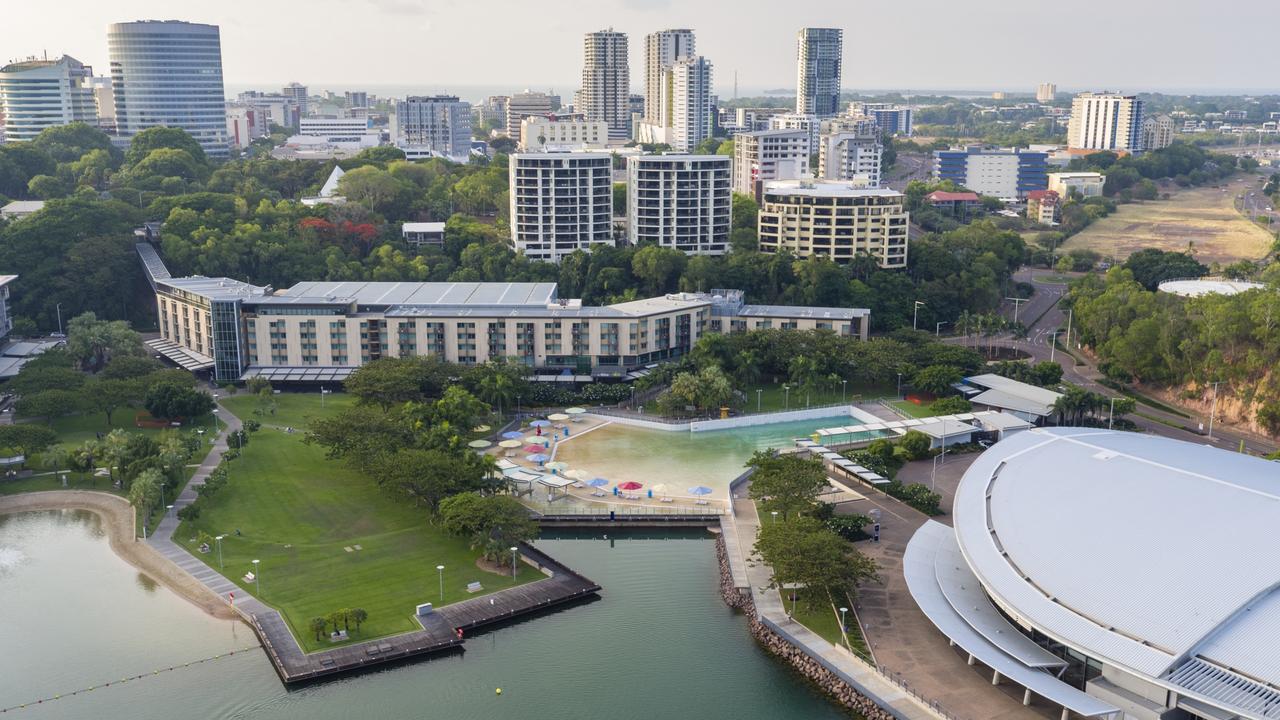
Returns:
<point x="1144" y="552"/>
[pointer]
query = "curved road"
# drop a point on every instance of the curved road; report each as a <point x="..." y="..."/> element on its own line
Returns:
<point x="1043" y="316"/>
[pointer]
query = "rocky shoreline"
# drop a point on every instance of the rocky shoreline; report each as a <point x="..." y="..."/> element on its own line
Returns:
<point x="827" y="681"/>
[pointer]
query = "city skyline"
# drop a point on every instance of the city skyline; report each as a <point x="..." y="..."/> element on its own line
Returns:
<point x="382" y="43"/>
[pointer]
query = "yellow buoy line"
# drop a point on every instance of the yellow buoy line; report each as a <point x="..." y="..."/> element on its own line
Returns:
<point x="122" y="681"/>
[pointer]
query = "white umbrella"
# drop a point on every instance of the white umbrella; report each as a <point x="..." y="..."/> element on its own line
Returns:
<point x="479" y="444"/>
<point x="575" y="410"/>
<point x="557" y="417"/>
<point x="557" y="465"/>
<point x="510" y="444"/>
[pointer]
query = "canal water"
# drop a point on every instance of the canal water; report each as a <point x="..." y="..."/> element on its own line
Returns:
<point x="659" y="643"/>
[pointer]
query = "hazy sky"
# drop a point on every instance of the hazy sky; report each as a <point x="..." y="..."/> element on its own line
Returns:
<point x="1130" y="45"/>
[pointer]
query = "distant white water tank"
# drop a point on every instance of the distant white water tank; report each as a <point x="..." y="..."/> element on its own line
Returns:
<point x="1207" y="286"/>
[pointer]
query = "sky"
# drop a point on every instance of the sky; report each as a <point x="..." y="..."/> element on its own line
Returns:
<point x="508" y="45"/>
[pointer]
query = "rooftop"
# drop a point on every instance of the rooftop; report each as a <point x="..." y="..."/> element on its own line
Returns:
<point x="1011" y="394"/>
<point x="422" y="227"/>
<point x="22" y="207"/>
<point x="799" y="311"/>
<point x="473" y="294"/>
<point x="219" y="288"/>
<point x="1195" y="287"/>
<point x="1147" y="553"/>
<point x="819" y="188"/>
<point x="944" y="196"/>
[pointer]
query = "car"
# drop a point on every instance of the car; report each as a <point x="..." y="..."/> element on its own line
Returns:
<point x="985" y="443"/>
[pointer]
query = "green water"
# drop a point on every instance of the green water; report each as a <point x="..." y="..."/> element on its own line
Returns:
<point x="659" y="644"/>
<point x="680" y="459"/>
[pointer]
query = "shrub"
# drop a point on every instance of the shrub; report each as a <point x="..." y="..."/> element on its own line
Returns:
<point x="915" y="444"/>
<point x="951" y="405"/>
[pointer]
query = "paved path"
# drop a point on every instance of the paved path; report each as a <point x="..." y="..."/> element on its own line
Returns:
<point x="740" y="533"/>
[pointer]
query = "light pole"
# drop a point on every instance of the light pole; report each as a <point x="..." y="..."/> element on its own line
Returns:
<point x="514" y="550"/>
<point x="218" y="539"/>
<point x="844" y="627"/>
<point x="899" y="386"/>
<point x="1053" y="343"/>
<point x="1111" y="415"/>
<point x="257" y="576"/>
<point x="633" y="396"/>
<point x="915" y="313"/>
<point x="440" y="570"/>
<point x="787" y="391"/>
<point x="1213" y="409"/>
<point x="323" y="392"/>
<point x="774" y="513"/>
<point x="1017" y="303"/>
<point x="758" y="391"/>
<point x="59" y="309"/>
<point x="938" y="330"/>
<point x="844" y="386"/>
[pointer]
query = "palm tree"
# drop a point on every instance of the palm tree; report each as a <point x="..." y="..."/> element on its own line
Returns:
<point x="57" y="458"/>
<point x="318" y="624"/>
<point x="358" y="615"/>
<point x="334" y="618"/>
<point x="114" y="446"/>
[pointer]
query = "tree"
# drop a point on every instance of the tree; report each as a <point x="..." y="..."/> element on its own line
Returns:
<point x="430" y="476"/>
<point x="495" y="523"/>
<point x="358" y="616"/>
<point x="144" y="492"/>
<point x="56" y="458"/>
<point x="805" y="552"/>
<point x="93" y="342"/>
<point x="109" y="395"/>
<point x="360" y="435"/>
<point x="785" y="483"/>
<point x="50" y="404"/>
<point x="257" y="384"/>
<point x="171" y="401"/>
<point x="318" y="626"/>
<point x="951" y="405"/>
<point x="129" y="367"/>
<point x="394" y="381"/>
<point x="156" y="138"/>
<point x="707" y="390"/>
<point x="335" y="618"/>
<point x="936" y="379"/>
<point x="26" y="438"/>
<point x="916" y="444"/>
<point x="498" y="382"/>
<point x="113" y="449"/>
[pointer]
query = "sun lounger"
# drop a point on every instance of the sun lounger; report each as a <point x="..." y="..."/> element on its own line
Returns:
<point x="579" y="485"/>
<point x="599" y="493"/>
<point x="249" y="577"/>
<point x="700" y="502"/>
<point x="667" y="499"/>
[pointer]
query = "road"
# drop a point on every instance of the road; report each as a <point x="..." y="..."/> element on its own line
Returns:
<point x="908" y="167"/>
<point x="1043" y="316"/>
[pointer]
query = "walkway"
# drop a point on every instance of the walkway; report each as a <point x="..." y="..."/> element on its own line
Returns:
<point x="740" y="533"/>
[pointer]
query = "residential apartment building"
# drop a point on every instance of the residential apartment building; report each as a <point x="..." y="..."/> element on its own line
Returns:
<point x="1157" y="132"/>
<point x="104" y="102"/>
<point x="1042" y="206"/>
<point x="434" y="126"/>
<point x="36" y="94"/>
<point x="356" y="99"/>
<point x="169" y="73"/>
<point x="419" y="234"/>
<point x="850" y="155"/>
<point x="1088" y="184"/>
<point x="319" y="332"/>
<point x="528" y="104"/>
<point x="891" y="119"/>
<point x="810" y="124"/>
<point x="768" y="155"/>
<point x="680" y="201"/>
<point x="819" y="53"/>
<point x="998" y="172"/>
<point x="756" y="119"/>
<point x="6" y="320"/>
<point x="542" y="133"/>
<point x="661" y="51"/>
<point x="246" y="123"/>
<point x="560" y="202"/>
<point x="839" y="221"/>
<point x="692" y="117"/>
<point x="1046" y="93"/>
<point x="297" y="92"/>
<point x="1106" y="121"/>
<point x="606" y="80"/>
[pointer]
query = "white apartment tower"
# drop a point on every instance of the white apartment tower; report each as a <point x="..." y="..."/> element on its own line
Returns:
<point x="680" y="201"/>
<point x="1105" y="121"/>
<point x="839" y="221"/>
<point x="298" y="93"/>
<point x="434" y="126"/>
<point x="768" y="155"/>
<point x="693" y="104"/>
<point x="38" y="94"/>
<point x="528" y="104"/>
<point x="661" y="50"/>
<point x="849" y="155"/>
<point x="560" y="202"/>
<point x="1157" y="132"/>
<point x="606" y="82"/>
<point x="818" y="60"/>
<point x="1046" y="93"/>
<point x="169" y="73"/>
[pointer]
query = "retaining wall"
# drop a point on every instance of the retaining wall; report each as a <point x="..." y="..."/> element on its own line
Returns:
<point x="831" y="411"/>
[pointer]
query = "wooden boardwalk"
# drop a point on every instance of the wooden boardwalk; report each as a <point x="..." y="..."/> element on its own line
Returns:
<point x="572" y="520"/>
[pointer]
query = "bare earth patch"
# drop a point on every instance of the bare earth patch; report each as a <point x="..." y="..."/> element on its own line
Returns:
<point x="1204" y="217"/>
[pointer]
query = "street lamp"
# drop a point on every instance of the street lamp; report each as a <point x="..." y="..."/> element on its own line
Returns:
<point x="633" y="396"/>
<point x="899" y="386"/>
<point x="787" y="399"/>
<point x="1111" y="416"/>
<point x="59" y="308"/>
<point x="218" y="539"/>
<point x="844" y="627"/>
<point x="915" y="313"/>
<point x="168" y="508"/>
<point x="844" y="385"/>
<point x="257" y="576"/>
<point x="774" y="513"/>
<point x="440" y="570"/>
<point x="758" y="391"/>
<point x="938" y="330"/>
<point x="514" y="550"/>
<point x="1053" y="343"/>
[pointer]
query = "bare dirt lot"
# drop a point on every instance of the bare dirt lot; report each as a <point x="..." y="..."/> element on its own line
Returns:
<point x="1203" y="216"/>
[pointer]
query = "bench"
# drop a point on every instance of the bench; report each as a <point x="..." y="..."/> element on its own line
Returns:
<point x="474" y="587"/>
<point x="250" y="577"/>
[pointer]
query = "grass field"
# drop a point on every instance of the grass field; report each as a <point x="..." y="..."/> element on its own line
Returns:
<point x="292" y="409"/>
<point x="297" y="512"/>
<point x="1205" y="216"/>
<point x="774" y="398"/>
<point x="75" y="429"/>
<point x="910" y="409"/>
<point x="824" y="620"/>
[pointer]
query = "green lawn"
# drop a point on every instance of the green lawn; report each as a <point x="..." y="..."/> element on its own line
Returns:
<point x="297" y="512"/>
<point x="774" y="398"/>
<point x="75" y="429"/>
<point x="37" y="483"/>
<point x="910" y="409"/>
<point x="292" y="409"/>
<point x="819" y="615"/>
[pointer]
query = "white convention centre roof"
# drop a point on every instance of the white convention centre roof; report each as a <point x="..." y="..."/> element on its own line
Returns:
<point x="1148" y="553"/>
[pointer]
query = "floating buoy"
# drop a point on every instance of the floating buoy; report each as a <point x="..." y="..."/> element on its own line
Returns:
<point x="498" y="691"/>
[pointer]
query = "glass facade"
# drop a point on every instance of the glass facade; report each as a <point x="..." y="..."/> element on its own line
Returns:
<point x="228" y="353"/>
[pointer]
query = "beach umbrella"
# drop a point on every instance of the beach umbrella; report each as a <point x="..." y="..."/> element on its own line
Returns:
<point x="533" y="448"/>
<point x="660" y="488"/>
<point x="557" y="465"/>
<point x="557" y="417"/>
<point x="538" y="458"/>
<point x="576" y="474"/>
<point x="597" y="482"/>
<point x="509" y="444"/>
<point x="479" y="444"/>
<point x="630" y="485"/>
<point x="700" y="490"/>
<point x="538" y="440"/>
<point x="481" y="428"/>
<point x="575" y="410"/>
<point x="512" y="435"/>
<point x="540" y="423"/>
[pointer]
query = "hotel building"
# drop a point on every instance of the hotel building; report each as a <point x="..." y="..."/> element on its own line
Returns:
<point x="835" y="220"/>
<point x="768" y="155"/>
<point x="679" y="201"/>
<point x="560" y="202"/>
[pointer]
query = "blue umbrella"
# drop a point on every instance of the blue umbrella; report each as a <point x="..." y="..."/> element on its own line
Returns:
<point x="540" y="423"/>
<point x="512" y="435"/>
<point x="538" y="458"/>
<point x="597" y="482"/>
<point x="700" y="490"/>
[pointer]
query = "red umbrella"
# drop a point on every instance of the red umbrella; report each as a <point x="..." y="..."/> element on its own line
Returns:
<point x="630" y="485"/>
<point x="533" y="448"/>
